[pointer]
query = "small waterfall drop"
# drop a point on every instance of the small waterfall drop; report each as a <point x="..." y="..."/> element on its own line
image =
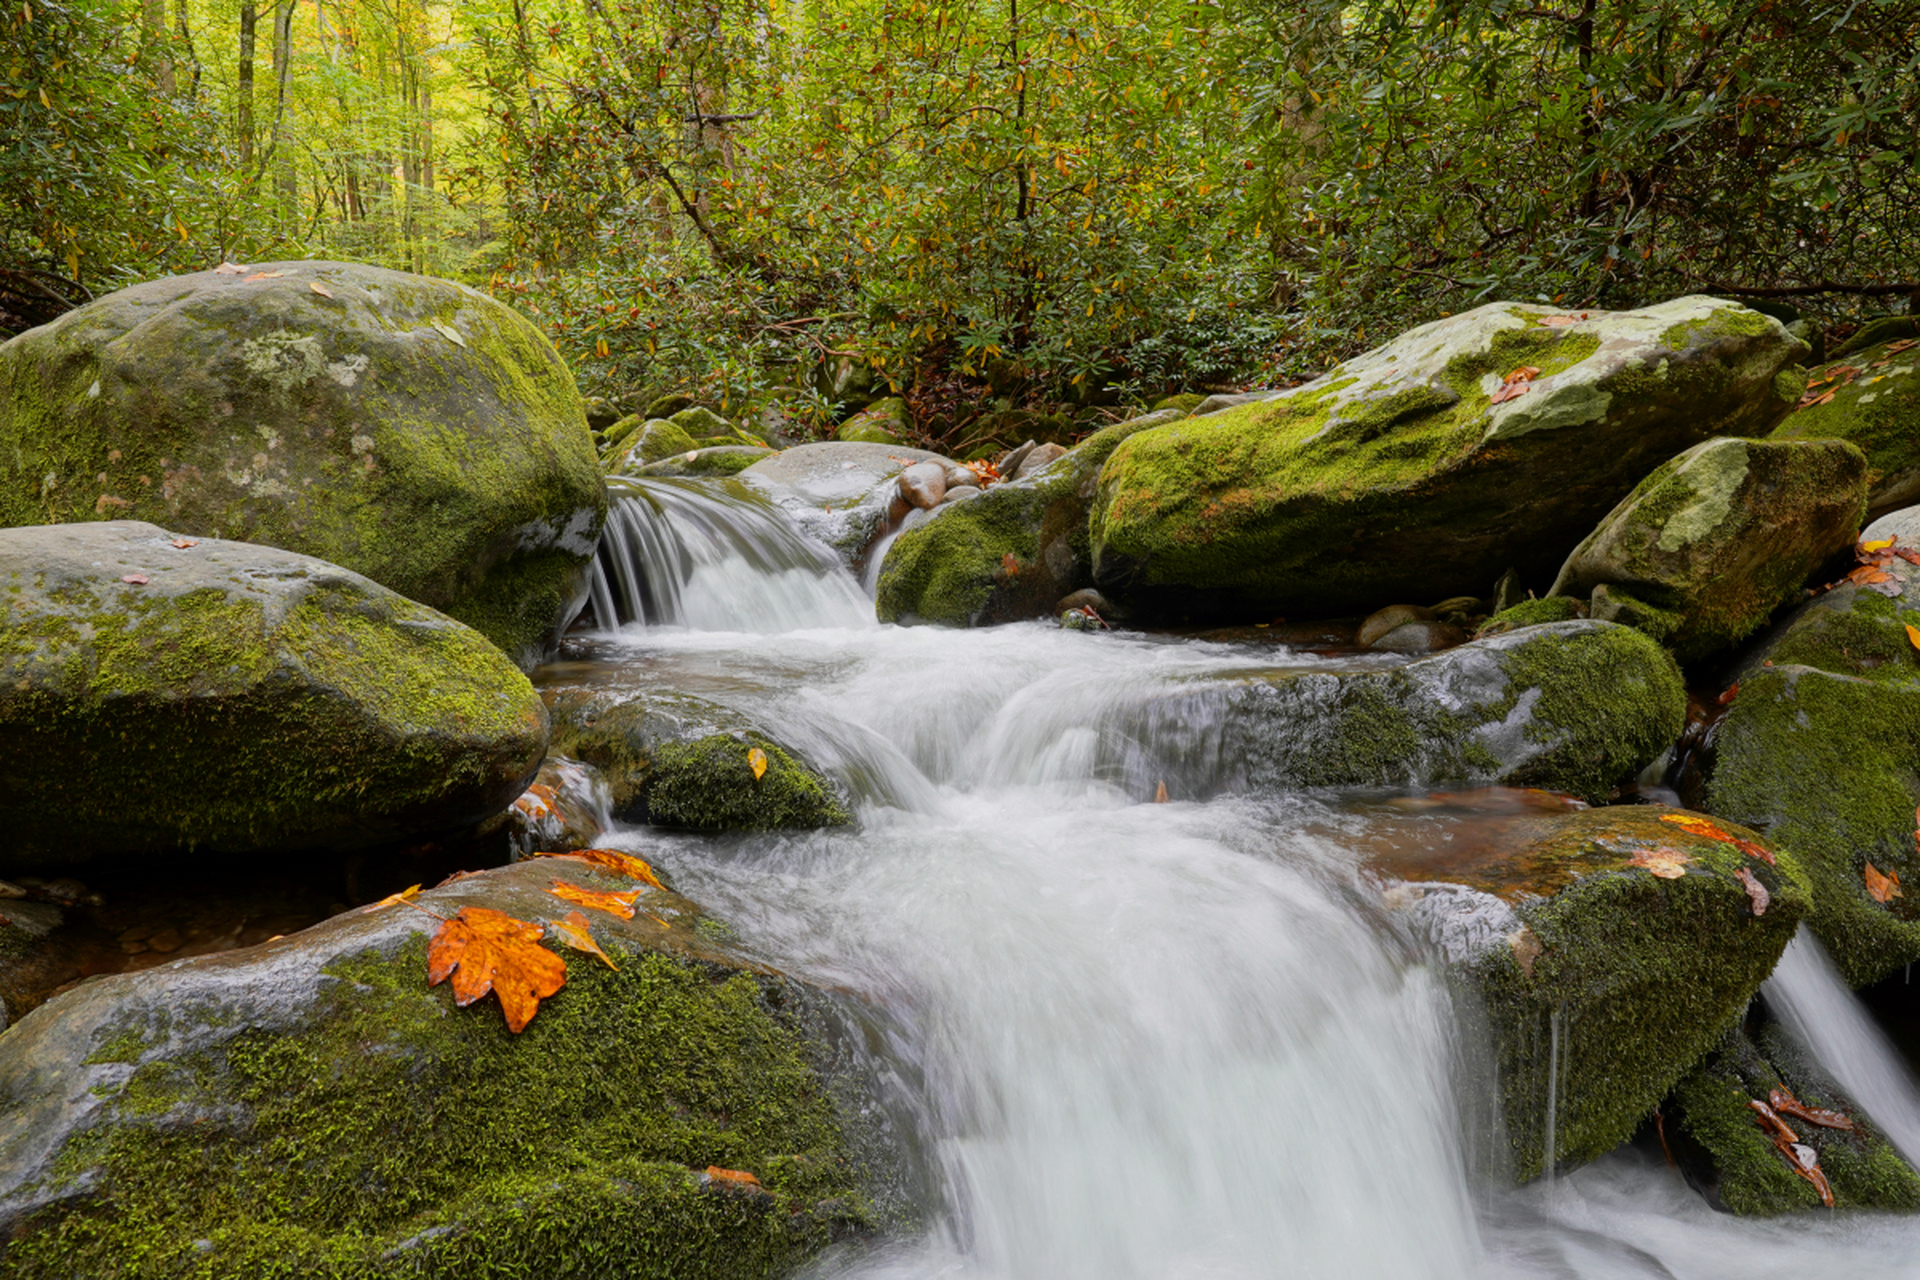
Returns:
<point x="715" y="556"/>
<point x="1808" y="996"/>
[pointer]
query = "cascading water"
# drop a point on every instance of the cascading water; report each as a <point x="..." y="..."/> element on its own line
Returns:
<point x="1152" y="1041"/>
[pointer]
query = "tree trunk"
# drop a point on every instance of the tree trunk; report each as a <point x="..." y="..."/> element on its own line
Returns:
<point x="153" y="15"/>
<point x="249" y="19"/>
<point x="282" y="74"/>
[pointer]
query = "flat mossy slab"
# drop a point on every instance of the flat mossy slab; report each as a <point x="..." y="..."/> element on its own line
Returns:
<point x="1606" y="956"/>
<point x="161" y="694"/>
<point x="404" y="427"/>
<point x="1569" y="706"/>
<point x="312" y="1108"/>
<point x="651" y="441"/>
<point x="713" y="460"/>
<point x="1713" y="1135"/>
<point x="1876" y="405"/>
<point x="1397" y="476"/>
<point x="678" y="760"/>
<point x="1821" y="749"/>
<point x="1718" y="538"/>
<point x="953" y="570"/>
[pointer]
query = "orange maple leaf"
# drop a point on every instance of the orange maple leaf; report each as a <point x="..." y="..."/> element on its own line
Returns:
<point x="619" y="904"/>
<point x="486" y="950"/>
<point x="1882" y="887"/>
<point x="613" y="860"/>
<point x="739" y="1178"/>
<point x="1694" y="824"/>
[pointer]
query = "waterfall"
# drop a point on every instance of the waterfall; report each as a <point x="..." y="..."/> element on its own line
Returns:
<point x="1808" y="996"/>
<point x="715" y="556"/>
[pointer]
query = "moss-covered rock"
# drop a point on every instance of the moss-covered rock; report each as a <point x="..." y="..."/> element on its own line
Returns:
<point x="1185" y="401"/>
<point x="1398" y="476"/>
<point x="312" y="1108"/>
<point x="1821" y="749"/>
<point x="407" y="428"/>
<point x="653" y="441"/>
<point x="1714" y="1137"/>
<point x="1703" y="551"/>
<point x="700" y="423"/>
<point x="1531" y="613"/>
<point x="882" y="422"/>
<point x="161" y="693"/>
<point x="1606" y="954"/>
<point x="1569" y="706"/>
<point x="953" y="569"/>
<point x="712" y="460"/>
<point x="1875" y="404"/>
<point x="676" y="760"/>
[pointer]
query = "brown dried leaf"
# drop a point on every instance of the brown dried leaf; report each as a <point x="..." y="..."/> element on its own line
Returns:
<point x="486" y="950"/>
<point x="574" y="931"/>
<point x="1756" y="892"/>
<point x="263" y="275"/>
<point x="229" y="269"/>
<point x="181" y="544"/>
<point x="319" y="288"/>
<point x="1882" y="887"/>
<point x="1556" y="322"/>
<point x="1668" y="864"/>
<point x="1011" y="564"/>
<point x="1783" y="1101"/>
<point x="616" y="904"/>
<point x="737" y="1179"/>
<point x="1809" y="400"/>
<point x="136" y="579"/>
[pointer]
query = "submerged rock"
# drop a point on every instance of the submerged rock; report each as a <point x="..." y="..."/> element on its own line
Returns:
<point x="1413" y="472"/>
<point x="566" y="806"/>
<point x="1712" y="1133"/>
<point x="1703" y="551"/>
<point x="312" y="1107"/>
<point x="1870" y="398"/>
<point x="1009" y="554"/>
<point x="1570" y="706"/>
<point x="1606" y="954"/>
<point x="1821" y="749"/>
<point x="676" y="760"/>
<point x="160" y="693"/>
<point x="407" y="428"/>
<point x="842" y="494"/>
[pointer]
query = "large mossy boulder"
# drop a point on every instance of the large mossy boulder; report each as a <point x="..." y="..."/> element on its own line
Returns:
<point x="1703" y="551"/>
<point x="1570" y="706"/>
<point x="311" y="1107"/>
<point x="1415" y="472"/>
<point x="160" y="693"/>
<point x="1011" y="553"/>
<point x="1871" y="398"/>
<point x="679" y="760"/>
<point x="1713" y="1134"/>
<point x="1820" y="748"/>
<point x="410" y="429"/>
<point x="1606" y="955"/>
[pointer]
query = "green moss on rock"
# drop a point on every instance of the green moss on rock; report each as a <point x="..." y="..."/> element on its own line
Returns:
<point x="1531" y="613"/>
<point x="1874" y="404"/>
<point x="1396" y="476"/>
<point x="410" y="429"/>
<point x="375" y="1129"/>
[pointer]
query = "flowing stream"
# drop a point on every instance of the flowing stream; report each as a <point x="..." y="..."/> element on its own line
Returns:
<point x="1136" y="1040"/>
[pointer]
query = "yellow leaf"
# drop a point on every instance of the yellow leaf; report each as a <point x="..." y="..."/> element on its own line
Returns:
<point x="392" y="899"/>
<point x="1913" y="635"/>
<point x="758" y="759"/>
<point x="181" y="227"/>
<point x="319" y="288"/>
<point x="45" y="101"/>
<point x="1871" y="547"/>
<point x="619" y="904"/>
<point x="574" y="932"/>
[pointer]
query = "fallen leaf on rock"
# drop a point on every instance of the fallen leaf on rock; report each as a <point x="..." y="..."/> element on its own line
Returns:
<point x="1777" y="1129"/>
<point x="1913" y="635"/>
<point x="1668" y="864"/>
<point x="136" y="579"/>
<point x="1010" y="564"/>
<point x="263" y="275"/>
<point x="181" y="544"/>
<point x="394" y="899"/>
<point x="536" y="801"/>
<point x="613" y="860"/>
<point x="1756" y="892"/>
<point x="1727" y="695"/>
<point x="1555" y="322"/>
<point x="1868" y="548"/>
<point x="1697" y="825"/>
<point x="1160" y="793"/>
<point x="229" y="269"/>
<point x="486" y="950"/>
<point x="758" y="760"/>
<point x="1785" y="1103"/>
<point x="1895" y="348"/>
<point x="617" y="904"/>
<point x="575" y="932"/>
<point x="736" y="1179"/>
<point x="1867" y="575"/>
<point x="1514" y="384"/>
<point x="319" y="288"/>
<point x="1526" y="947"/>
<point x="1809" y="400"/>
<point x="1882" y="887"/>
